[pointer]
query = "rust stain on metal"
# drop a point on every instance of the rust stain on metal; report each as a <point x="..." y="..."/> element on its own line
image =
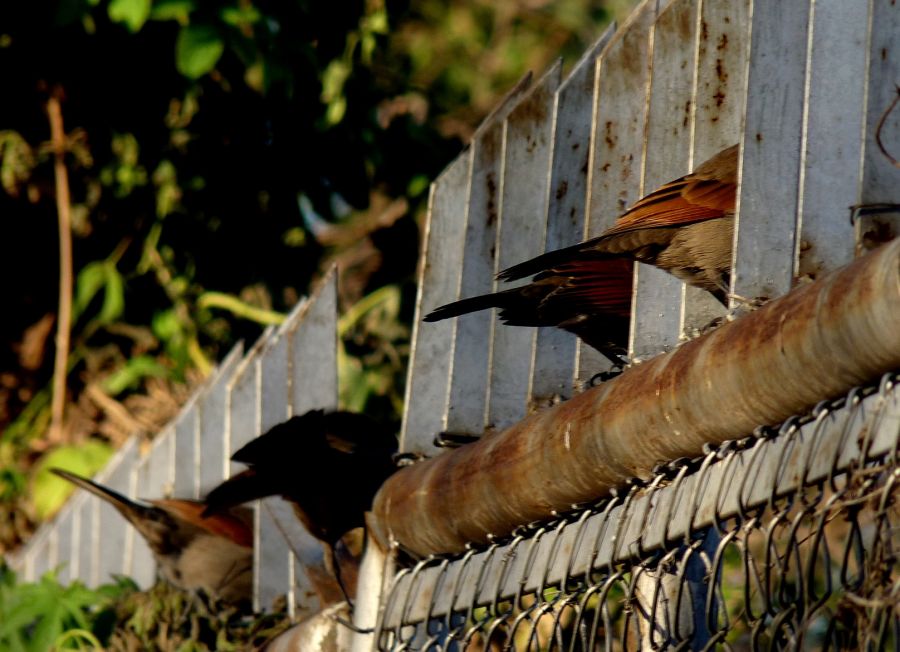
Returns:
<point x="815" y="342"/>
<point x="491" y="211"/>
<point x="562" y="189"/>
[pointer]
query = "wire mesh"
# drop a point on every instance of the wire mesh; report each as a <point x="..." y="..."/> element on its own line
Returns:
<point x="813" y="567"/>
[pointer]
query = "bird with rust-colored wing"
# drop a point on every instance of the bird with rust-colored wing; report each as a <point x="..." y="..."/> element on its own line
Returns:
<point x="685" y="227"/>
<point x="212" y="553"/>
<point x="589" y="297"/>
<point x="328" y="465"/>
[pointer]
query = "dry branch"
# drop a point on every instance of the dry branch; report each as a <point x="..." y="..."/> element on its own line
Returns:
<point x="63" y="209"/>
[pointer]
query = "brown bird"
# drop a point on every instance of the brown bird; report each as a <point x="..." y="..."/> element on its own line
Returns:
<point x="684" y="227"/>
<point x="192" y="551"/>
<point x="329" y="465"/>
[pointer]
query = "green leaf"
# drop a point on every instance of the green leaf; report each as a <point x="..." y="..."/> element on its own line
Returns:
<point x="90" y="279"/>
<point x="240" y="16"/>
<point x="94" y="276"/>
<point x="197" y="50"/>
<point x="50" y="491"/>
<point x="131" y="374"/>
<point x="114" y="298"/>
<point x="178" y="10"/>
<point x="166" y="325"/>
<point x="133" y="13"/>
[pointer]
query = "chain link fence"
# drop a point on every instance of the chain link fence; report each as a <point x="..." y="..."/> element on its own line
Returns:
<point x="784" y="540"/>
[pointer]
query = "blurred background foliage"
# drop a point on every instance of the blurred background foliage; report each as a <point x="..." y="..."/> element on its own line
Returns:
<point x="221" y="156"/>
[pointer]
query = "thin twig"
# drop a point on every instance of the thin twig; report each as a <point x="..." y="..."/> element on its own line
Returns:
<point x="63" y="209"/>
<point x="884" y="117"/>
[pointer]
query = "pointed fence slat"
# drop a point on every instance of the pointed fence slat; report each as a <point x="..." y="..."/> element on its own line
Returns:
<point x="272" y="563"/>
<point x="618" y="139"/>
<point x="835" y="108"/>
<point x="429" y="361"/>
<point x="770" y="169"/>
<point x="115" y="539"/>
<point x="65" y="544"/>
<point x="214" y="462"/>
<point x="719" y="98"/>
<point x="554" y="357"/>
<point x="244" y="401"/>
<point x="659" y="296"/>
<point x="467" y="394"/>
<point x="880" y="178"/>
<point x="313" y="352"/>
<point x="187" y="452"/>
<point x="520" y="236"/>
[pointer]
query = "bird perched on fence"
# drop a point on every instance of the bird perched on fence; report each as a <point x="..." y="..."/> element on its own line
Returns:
<point x="684" y="227"/>
<point x="192" y="551"/>
<point x="329" y="465"/>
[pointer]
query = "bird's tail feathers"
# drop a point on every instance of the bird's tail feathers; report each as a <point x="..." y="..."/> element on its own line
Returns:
<point x="237" y="490"/>
<point x="465" y="306"/>
<point x="541" y="263"/>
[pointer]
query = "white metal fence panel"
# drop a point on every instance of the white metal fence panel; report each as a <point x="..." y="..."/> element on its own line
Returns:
<point x="520" y="236"/>
<point x="718" y="110"/>
<point x="467" y="393"/>
<point x="617" y="142"/>
<point x="553" y="374"/>
<point x="440" y="266"/>
<point x="770" y="166"/>
<point x="313" y="353"/>
<point x="834" y="110"/>
<point x="879" y="182"/>
<point x="659" y="296"/>
<point x="214" y="462"/>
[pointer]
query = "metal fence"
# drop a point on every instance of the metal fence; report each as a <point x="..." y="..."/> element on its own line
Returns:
<point x="289" y="370"/>
<point x="788" y="538"/>
<point x="785" y="539"/>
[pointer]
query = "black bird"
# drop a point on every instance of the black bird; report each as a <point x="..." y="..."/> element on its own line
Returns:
<point x="328" y="465"/>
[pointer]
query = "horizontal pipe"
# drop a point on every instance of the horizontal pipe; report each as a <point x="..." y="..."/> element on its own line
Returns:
<point x="814" y="343"/>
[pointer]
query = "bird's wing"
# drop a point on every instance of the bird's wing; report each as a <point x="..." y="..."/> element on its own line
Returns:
<point x="680" y="202"/>
<point x="591" y="286"/>
<point x="223" y="524"/>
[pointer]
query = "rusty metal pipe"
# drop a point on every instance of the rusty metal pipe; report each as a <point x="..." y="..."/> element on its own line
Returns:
<point x="816" y="342"/>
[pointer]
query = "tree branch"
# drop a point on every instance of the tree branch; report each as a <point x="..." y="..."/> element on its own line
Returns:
<point x="63" y="209"/>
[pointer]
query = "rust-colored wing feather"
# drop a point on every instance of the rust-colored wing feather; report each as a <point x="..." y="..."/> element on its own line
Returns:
<point x="225" y="524"/>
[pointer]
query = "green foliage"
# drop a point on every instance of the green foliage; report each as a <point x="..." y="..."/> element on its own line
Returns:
<point x="45" y="615"/>
<point x="371" y="330"/>
<point x="49" y="491"/>
<point x="133" y="13"/>
<point x="131" y="373"/>
<point x="94" y="277"/>
<point x="197" y="50"/>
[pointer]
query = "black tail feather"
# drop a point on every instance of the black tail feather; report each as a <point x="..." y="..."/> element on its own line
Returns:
<point x="238" y="489"/>
<point x="465" y="306"/>
<point x="541" y="263"/>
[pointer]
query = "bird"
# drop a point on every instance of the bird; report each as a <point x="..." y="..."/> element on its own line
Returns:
<point x="589" y="297"/>
<point x="193" y="552"/>
<point x="328" y="465"/>
<point x="685" y="227"/>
